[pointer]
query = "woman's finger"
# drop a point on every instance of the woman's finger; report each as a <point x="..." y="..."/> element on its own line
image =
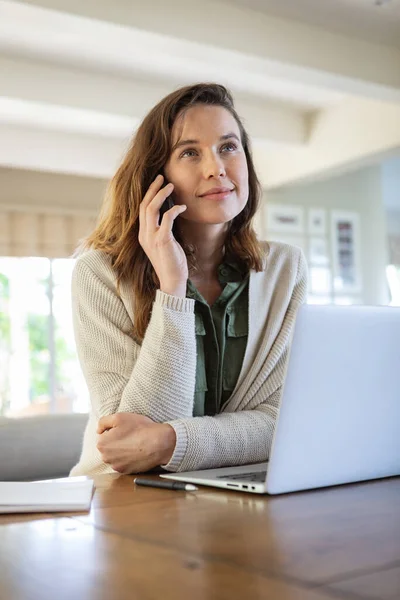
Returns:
<point x="148" y="197"/>
<point x="152" y="191"/>
<point x="170" y="216"/>
<point x="153" y="209"/>
<point x="106" y="422"/>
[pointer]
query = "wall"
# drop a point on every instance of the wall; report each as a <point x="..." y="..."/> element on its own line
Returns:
<point x="53" y="191"/>
<point x="391" y="200"/>
<point x="391" y="185"/>
<point x="360" y="191"/>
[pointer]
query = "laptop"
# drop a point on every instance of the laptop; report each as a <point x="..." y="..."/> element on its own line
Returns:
<point x="339" y="419"/>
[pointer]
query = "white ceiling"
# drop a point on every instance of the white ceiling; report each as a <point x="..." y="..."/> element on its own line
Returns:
<point x="376" y="21"/>
<point x="103" y="46"/>
<point x="76" y="78"/>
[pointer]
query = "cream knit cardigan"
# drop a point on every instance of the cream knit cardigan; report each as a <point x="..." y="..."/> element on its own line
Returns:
<point x="157" y="378"/>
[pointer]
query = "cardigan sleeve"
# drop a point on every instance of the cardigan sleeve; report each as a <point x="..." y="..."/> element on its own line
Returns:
<point x="156" y="378"/>
<point x="245" y="436"/>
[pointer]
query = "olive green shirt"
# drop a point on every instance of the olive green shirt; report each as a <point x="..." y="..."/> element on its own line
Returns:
<point x="221" y="338"/>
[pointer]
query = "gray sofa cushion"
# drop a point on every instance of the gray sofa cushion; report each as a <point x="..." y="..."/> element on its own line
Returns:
<point x="40" y="447"/>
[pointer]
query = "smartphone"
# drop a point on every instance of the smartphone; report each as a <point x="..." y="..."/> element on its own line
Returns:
<point x="167" y="204"/>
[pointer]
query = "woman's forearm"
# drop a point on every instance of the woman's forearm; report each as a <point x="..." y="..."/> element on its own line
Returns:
<point x="161" y="385"/>
<point x="156" y="378"/>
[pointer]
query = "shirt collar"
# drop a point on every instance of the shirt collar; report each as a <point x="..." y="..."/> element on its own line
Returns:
<point x="229" y="271"/>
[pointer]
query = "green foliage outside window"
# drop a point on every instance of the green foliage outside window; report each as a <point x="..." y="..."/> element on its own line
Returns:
<point x="39" y="356"/>
<point x="38" y="328"/>
<point x="5" y="343"/>
<point x="30" y="367"/>
<point x="5" y="331"/>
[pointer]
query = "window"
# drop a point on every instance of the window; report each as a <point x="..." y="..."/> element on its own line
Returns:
<point x="393" y="278"/>
<point x="40" y="372"/>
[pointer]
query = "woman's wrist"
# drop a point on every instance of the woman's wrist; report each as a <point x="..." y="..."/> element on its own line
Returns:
<point x="174" y="289"/>
<point x="168" y="444"/>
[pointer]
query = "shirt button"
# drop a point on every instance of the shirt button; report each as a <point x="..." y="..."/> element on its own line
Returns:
<point x="224" y="272"/>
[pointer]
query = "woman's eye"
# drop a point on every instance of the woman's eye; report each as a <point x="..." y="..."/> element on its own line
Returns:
<point x="230" y="147"/>
<point x="188" y="153"/>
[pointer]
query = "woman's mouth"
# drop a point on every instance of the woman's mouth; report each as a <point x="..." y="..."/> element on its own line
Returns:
<point x="217" y="193"/>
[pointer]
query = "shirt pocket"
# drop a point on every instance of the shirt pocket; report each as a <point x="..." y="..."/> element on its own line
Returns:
<point x="236" y="341"/>
<point x="237" y="322"/>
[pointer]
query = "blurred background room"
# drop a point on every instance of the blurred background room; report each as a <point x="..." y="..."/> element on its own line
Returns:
<point x="317" y="83"/>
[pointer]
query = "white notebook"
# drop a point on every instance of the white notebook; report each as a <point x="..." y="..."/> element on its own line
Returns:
<point x="52" y="495"/>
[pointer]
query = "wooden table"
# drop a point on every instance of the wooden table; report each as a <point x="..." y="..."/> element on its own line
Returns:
<point x="148" y="543"/>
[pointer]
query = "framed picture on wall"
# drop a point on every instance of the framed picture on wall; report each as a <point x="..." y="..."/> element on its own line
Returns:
<point x="346" y="251"/>
<point x="285" y="218"/>
<point x="317" y="221"/>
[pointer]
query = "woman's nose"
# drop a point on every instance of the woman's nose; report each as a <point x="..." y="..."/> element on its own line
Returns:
<point x="214" y="166"/>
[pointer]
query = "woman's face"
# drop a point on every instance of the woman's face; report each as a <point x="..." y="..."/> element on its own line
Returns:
<point x="208" y="166"/>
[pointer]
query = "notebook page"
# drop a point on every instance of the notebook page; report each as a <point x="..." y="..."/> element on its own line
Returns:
<point x="47" y="496"/>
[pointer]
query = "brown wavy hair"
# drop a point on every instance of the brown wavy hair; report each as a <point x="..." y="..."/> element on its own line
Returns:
<point x="117" y="229"/>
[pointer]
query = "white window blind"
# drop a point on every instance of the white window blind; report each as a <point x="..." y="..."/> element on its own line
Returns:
<point x="43" y="233"/>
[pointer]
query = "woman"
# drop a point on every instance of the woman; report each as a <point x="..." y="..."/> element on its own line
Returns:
<point x="183" y="324"/>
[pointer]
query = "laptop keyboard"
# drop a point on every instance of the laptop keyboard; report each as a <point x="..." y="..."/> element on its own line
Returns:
<point x="258" y="476"/>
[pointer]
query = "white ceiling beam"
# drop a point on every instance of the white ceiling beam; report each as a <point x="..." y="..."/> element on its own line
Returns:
<point x="282" y="49"/>
<point x="96" y="45"/>
<point x="40" y="81"/>
<point x="65" y="150"/>
<point x="35" y="149"/>
<point x="15" y="111"/>
<point x="34" y="82"/>
<point x="347" y="135"/>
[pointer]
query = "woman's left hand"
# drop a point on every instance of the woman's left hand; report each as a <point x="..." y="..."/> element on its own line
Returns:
<point x="133" y="443"/>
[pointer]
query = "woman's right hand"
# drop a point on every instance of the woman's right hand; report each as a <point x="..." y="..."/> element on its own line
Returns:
<point x="165" y="254"/>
